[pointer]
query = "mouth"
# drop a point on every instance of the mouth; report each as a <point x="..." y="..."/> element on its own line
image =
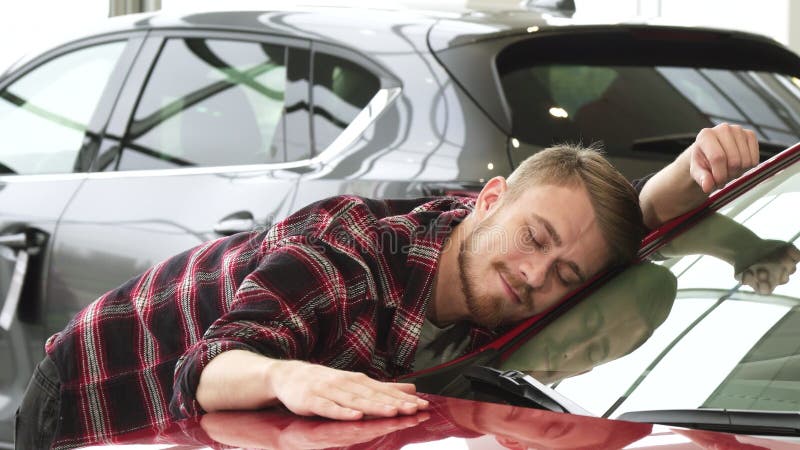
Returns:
<point x="510" y="291"/>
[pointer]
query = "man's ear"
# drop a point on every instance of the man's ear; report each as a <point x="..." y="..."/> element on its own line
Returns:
<point x="490" y="195"/>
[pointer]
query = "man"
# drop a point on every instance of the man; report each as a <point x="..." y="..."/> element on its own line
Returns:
<point x="349" y="291"/>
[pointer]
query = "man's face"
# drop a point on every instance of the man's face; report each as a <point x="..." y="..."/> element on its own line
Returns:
<point x="526" y="254"/>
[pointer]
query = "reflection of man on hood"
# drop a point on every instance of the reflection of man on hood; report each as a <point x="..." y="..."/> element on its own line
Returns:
<point x="612" y="322"/>
<point x="513" y="427"/>
<point x="521" y="428"/>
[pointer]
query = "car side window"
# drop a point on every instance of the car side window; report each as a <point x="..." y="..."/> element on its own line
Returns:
<point x="45" y="114"/>
<point x="341" y="90"/>
<point x="210" y="102"/>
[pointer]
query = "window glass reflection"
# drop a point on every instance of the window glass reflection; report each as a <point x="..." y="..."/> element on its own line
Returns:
<point x="341" y="90"/>
<point x="704" y="357"/>
<point x="44" y="115"/>
<point x="698" y="89"/>
<point x="210" y="103"/>
<point x="623" y="107"/>
<point x="732" y="336"/>
<point x="740" y="87"/>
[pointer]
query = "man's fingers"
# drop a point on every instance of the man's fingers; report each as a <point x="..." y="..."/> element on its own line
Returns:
<point x="326" y="408"/>
<point x="728" y="136"/>
<point x="408" y="388"/>
<point x="699" y="170"/>
<point x="403" y="391"/>
<point x="744" y="149"/>
<point x="752" y="147"/>
<point x="793" y="253"/>
<point x="712" y="148"/>
<point x="366" y="401"/>
<point x="383" y="393"/>
<point x="721" y="154"/>
<point x="343" y="395"/>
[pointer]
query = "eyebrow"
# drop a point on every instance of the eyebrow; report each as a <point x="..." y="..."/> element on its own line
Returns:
<point x="557" y="239"/>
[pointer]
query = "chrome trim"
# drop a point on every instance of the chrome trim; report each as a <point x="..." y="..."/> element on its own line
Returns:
<point x="366" y="117"/>
<point x="198" y="170"/>
<point x="376" y="106"/>
<point x="9" y="312"/>
<point x="43" y="177"/>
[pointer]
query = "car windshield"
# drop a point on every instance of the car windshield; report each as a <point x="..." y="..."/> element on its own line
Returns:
<point x="713" y="321"/>
<point x="644" y="115"/>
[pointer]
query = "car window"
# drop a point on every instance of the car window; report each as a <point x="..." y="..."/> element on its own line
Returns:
<point x="298" y="88"/>
<point x="341" y="90"/>
<point x="645" y="112"/>
<point x="210" y="102"/>
<point x="731" y="338"/>
<point x="45" y="115"/>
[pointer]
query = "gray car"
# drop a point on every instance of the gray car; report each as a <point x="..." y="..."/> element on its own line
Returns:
<point x="159" y="132"/>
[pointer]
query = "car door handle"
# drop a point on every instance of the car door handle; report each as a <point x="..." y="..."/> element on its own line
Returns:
<point x="237" y="222"/>
<point x="25" y="244"/>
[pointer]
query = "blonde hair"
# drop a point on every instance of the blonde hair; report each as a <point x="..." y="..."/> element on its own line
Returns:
<point x="615" y="202"/>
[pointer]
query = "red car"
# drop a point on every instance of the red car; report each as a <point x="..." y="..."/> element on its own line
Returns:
<point x="697" y="346"/>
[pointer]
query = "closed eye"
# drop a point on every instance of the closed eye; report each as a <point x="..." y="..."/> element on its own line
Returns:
<point x="567" y="275"/>
<point x="532" y="239"/>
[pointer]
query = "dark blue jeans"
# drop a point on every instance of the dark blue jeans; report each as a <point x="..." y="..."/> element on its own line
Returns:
<point x="36" y="421"/>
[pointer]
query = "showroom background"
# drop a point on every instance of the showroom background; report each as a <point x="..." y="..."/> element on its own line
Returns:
<point x="22" y="23"/>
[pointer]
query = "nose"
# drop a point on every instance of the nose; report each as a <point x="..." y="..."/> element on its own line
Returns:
<point x="533" y="274"/>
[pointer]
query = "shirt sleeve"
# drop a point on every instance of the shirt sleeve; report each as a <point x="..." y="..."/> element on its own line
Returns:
<point x="277" y="311"/>
<point x="639" y="183"/>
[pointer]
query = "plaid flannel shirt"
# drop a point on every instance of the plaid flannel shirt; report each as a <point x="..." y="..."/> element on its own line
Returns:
<point x="344" y="282"/>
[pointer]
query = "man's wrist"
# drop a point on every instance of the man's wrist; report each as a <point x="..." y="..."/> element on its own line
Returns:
<point x="270" y="376"/>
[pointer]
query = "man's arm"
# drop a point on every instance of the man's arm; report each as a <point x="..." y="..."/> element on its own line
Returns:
<point x="242" y="380"/>
<point x="292" y="307"/>
<point x="717" y="156"/>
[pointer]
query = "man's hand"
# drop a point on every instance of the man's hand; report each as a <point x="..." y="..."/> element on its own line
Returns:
<point x="309" y="389"/>
<point x="717" y="156"/>
<point x="772" y="270"/>
<point x="242" y="380"/>
<point x="720" y="154"/>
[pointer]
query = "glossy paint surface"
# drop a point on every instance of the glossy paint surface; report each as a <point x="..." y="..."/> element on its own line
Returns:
<point x="450" y="424"/>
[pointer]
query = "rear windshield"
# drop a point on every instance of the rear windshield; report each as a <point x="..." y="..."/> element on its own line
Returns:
<point x="645" y="112"/>
<point x="645" y="96"/>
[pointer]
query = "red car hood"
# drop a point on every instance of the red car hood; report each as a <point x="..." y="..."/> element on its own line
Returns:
<point x="449" y="424"/>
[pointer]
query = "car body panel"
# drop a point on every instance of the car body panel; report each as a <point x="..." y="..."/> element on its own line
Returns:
<point x="449" y="423"/>
<point x="27" y="206"/>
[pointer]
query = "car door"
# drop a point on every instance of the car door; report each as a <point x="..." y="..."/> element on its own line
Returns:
<point x="195" y="150"/>
<point x="52" y="115"/>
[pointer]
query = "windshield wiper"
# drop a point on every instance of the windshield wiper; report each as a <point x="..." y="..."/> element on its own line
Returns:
<point x="673" y="144"/>
<point x="775" y="423"/>
<point x="523" y="386"/>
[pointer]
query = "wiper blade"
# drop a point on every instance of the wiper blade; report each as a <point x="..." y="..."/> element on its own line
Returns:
<point x="523" y="386"/>
<point x="673" y="144"/>
<point x="775" y="423"/>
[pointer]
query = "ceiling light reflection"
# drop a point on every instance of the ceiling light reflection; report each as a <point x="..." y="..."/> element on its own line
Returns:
<point x="560" y="113"/>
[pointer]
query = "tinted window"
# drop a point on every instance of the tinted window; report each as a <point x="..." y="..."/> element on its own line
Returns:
<point x="44" y="115"/>
<point x="210" y="103"/>
<point x="341" y="90"/>
<point x="644" y="112"/>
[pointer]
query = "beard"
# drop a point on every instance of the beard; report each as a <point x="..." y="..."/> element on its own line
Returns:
<point x="483" y="309"/>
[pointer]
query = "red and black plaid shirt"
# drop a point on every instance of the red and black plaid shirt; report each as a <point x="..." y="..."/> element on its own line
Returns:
<point x="344" y="283"/>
